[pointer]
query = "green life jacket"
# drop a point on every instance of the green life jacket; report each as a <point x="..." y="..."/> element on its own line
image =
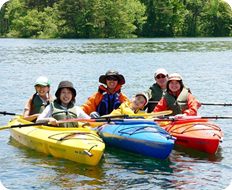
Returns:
<point x="156" y="93"/>
<point x="38" y="105"/>
<point x="177" y="105"/>
<point x="59" y="113"/>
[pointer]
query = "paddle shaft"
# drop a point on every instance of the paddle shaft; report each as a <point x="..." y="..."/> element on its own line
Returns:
<point x="7" y="113"/>
<point x="202" y="103"/>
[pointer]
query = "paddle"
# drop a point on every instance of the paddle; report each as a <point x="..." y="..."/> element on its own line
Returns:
<point x="23" y="125"/>
<point x="202" y="103"/>
<point x="7" y="113"/>
<point x="161" y="113"/>
<point x="193" y="117"/>
<point x="47" y="123"/>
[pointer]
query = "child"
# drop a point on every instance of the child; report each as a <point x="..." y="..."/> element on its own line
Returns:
<point x="136" y="106"/>
<point x="37" y="102"/>
<point x="63" y="107"/>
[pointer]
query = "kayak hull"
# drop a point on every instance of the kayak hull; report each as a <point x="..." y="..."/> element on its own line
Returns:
<point x="199" y="134"/>
<point x="77" y="144"/>
<point x="146" y="139"/>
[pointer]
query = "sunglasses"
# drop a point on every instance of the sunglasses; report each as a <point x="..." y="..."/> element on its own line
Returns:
<point x="112" y="78"/>
<point x="161" y="76"/>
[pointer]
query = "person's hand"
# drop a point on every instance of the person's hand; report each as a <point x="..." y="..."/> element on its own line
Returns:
<point x="180" y="116"/>
<point x="198" y="104"/>
<point x="94" y="114"/>
<point x="53" y="121"/>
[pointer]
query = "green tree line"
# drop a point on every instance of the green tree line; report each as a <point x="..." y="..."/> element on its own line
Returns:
<point x="115" y="18"/>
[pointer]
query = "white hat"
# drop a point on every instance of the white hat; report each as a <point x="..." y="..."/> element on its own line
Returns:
<point x="161" y="71"/>
<point x="144" y="95"/>
<point x="174" y="76"/>
<point x="42" y="81"/>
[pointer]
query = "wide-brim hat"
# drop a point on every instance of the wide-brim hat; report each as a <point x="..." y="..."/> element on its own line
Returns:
<point x="121" y="80"/>
<point x="174" y="76"/>
<point x="144" y="95"/>
<point x="66" y="84"/>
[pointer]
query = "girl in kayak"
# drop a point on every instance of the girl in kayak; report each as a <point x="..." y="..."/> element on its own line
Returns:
<point x="178" y="98"/>
<point x="136" y="106"/>
<point x="108" y="97"/>
<point x="38" y="101"/>
<point x="63" y="107"/>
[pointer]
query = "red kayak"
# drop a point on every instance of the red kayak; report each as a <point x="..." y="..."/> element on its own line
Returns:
<point x="199" y="134"/>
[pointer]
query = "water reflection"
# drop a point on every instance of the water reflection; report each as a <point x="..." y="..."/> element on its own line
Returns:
<point x="197" y="155"/>
<point x="65" y="172"/>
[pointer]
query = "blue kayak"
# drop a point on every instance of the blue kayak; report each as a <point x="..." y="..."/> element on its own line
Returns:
<point x="144" y="138"/>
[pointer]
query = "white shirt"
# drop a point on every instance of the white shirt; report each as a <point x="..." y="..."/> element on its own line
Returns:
<point x="48" y="112"/>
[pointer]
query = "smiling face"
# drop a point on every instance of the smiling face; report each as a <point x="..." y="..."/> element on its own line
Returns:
<point x="162" y="80"/>
<point x="111" y="82"/>
<point x="65" y="96"/>
<point x="42" y="90"/>
<point x="138" y="102"/>
<point x="174" y="86"/>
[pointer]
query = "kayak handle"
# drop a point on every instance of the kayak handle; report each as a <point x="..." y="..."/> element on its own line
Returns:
<point x="88" y="151"/>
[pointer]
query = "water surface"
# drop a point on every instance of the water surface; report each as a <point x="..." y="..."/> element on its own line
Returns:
<point x="205" y="65"/>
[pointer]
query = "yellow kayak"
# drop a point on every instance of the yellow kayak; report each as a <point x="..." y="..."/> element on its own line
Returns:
<point x="81" y="145"/>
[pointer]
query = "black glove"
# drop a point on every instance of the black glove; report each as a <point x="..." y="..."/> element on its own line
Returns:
<point x="94" y="114"/>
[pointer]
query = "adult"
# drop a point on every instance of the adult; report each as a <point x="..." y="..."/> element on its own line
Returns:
<point x="63" y="107"/>
<point x="177" y="98"/>
<point x="38" y="101"/>
<point x="158" y="89"/>
<point x="108" y="97"/>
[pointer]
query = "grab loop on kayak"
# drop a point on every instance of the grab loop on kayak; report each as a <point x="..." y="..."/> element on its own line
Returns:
<point x="171" y="137"/>
<point x="143" y="129"/>
<point x="88" y="151"/>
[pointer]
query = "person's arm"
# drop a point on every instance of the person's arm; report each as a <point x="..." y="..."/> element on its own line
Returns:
<point x="27" y="111"/>
<point x="123" y="98"/>
<point x="91" y="104"/>
<point x="46" y="115"/>
<point x="81" y="113"/>
<point x="192" y="105"/>
<point x="28" y="117"/>
<point x="161" y="106"/>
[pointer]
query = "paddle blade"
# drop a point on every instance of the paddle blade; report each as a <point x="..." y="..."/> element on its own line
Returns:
<point x="5" y="127"/>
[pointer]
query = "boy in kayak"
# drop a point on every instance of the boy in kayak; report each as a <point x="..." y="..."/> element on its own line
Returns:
<point x="38" y="101"/>
<point x="63" y="107"/>
<point x="108" y="97"/>
<point x="178" y="98"/>
<point x="136" y="106"/>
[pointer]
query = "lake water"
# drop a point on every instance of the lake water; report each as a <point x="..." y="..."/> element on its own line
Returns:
<point x="205" y="65"/>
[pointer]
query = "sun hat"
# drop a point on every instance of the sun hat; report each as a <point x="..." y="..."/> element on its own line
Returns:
<point x="144" y="95"/>
<point x="121" y="80"/>
<point x="42" y="81"/>
<point x="161" y="71"/>
<point x="174" y="76"/>
<point x="66" y="84"/>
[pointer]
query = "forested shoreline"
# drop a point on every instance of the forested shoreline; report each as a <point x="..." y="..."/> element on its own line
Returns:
<point x="115" y="18"/>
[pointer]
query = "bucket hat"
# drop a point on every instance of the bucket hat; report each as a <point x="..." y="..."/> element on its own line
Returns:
<point x="121" y="80"/>
<point x="66" y="84"/>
